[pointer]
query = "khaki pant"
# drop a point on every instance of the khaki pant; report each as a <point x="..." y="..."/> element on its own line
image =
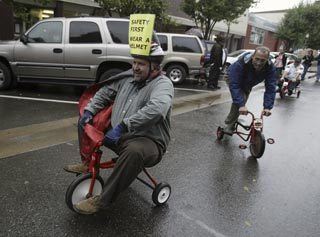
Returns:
<point x="134" y="154"/>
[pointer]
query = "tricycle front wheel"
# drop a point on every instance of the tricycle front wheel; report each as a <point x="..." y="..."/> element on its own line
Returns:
<point x="78" y="190"/>
<point x="257" y="144"/>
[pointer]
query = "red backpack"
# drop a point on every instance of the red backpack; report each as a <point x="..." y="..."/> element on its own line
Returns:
<point x="101" y="121"/>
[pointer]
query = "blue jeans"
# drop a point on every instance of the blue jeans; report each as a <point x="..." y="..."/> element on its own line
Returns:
<point x="305" y="69"/>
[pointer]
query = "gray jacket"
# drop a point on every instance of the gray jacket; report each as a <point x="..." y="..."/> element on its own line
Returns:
<point x="145" y="111"/>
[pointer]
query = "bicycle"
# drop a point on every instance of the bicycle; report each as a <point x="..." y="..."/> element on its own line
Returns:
<point x="253" y="133"/>
<point x="90" y="183"/>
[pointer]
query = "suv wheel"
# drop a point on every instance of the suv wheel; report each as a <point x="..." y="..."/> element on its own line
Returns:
<point x="5" y="77"/>
<point x="110" y="73"/>
<point x="176" y="73"/>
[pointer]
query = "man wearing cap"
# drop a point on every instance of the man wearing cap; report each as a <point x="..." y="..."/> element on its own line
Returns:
<point x="140" y="133"/>
<point x="216" y="56"/>
<point x="247" y="72"/>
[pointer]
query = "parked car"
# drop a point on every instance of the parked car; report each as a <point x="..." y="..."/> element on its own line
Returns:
<point x="207" y="45"/>
<point x="76" y="51"/>
<point x="184" y="56"/>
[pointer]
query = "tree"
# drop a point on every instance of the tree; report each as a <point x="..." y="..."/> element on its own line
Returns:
<point x="22" y="11"/>
<point x="124" y="8"/>
<point x="299" y="27"/>
<point x="206" y="13"/>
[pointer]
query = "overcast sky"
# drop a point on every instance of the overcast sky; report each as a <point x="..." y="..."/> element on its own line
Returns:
<point x="269" y="5"/>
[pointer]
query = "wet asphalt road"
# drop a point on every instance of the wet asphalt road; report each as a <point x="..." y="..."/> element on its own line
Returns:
<point x="217" y="190"/>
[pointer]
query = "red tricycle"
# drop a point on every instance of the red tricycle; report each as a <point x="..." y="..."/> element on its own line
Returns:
<point x="252" y="133"/>
<point x="91" y="183"/>
<point x="289" y="87"/>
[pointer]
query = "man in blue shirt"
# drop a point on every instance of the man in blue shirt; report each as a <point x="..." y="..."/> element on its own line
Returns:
<point x="247" y="72"/>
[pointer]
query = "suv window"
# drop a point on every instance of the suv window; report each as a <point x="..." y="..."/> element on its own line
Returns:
<point x="163" y="41"/>
<point x="84" y="32"/>
<point x="185" y="44"/>
<point x="46" y="32"/>
<point x="119" y="31"/>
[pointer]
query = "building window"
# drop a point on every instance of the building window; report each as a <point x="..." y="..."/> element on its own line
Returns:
<point x="257" y="36"/>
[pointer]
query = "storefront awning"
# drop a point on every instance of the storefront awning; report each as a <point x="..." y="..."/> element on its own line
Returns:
<point x="89" y="3"/>
<point x="182" y="21"/>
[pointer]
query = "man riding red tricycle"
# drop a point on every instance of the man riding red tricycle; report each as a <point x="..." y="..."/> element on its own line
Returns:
<point x="289" y="82"/>
<point x="252" y="133"/>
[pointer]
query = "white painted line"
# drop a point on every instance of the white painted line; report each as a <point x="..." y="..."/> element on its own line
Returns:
<point x="201" y="224"/>
<point x="187" y="89"/>
<point x="38" y="99"/>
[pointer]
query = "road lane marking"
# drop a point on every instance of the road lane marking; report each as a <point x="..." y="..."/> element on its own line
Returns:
<point x="38" y="99"/>
<point x="37" y="136"/>
<point x="188" y="89"/>
<point x="28" y="138"/>
<point x="201" y="224"/>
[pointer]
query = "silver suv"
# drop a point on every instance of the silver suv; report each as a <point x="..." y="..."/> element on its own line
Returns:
<point x="76" y="51"/>
<point x="184" y="56"/>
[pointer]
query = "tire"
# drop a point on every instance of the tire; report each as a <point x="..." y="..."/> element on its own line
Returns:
<point x="5" y="77"/>
<point x="176" y="73"/>
<point x="161" y="194"/>
<point x="220" y="133"/>
<point x="110" y="73"/>
<point x="78" y="189"/>
<point x="257" y="144"/>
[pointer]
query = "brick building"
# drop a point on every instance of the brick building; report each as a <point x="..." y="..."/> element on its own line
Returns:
<point x="261" y="32"/>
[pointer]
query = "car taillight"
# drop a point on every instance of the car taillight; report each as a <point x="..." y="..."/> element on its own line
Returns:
<point x="202" y="60"/>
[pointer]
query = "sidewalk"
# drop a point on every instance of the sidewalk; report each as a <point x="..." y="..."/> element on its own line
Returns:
<point x="198" y="97"/>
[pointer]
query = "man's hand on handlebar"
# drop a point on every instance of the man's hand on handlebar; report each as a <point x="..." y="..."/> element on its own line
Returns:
<point x="243" y="110"/>
<point x="266" y="112"/>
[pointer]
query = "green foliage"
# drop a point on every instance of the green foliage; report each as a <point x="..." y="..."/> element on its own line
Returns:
<point x="22" y="11"/>
<point x="300" y="26"/>
<point x="206" y="13"/>
<point x="124" y="8"/>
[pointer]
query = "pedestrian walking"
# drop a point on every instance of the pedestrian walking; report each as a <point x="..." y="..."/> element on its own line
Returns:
<point x="280" y="62"/>
<point x="307" y="62"/>
<point x="216" y="61"/>
<point x="318" y="66"/>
